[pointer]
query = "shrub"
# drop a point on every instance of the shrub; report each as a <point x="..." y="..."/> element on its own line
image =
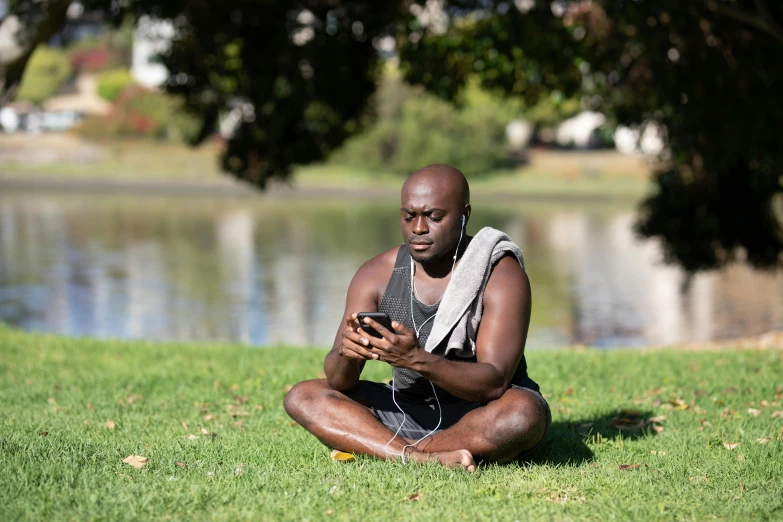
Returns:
<point x="141" y="113"/>
<point x="415" y="129"/>
<point x="112" y="82"/>
<point x="46" y="72"/>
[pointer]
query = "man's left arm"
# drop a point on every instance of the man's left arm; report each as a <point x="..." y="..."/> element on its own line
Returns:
<point x="499" y="345"/>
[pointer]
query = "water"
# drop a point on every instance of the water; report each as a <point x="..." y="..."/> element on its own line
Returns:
<point x="265" y="272"/>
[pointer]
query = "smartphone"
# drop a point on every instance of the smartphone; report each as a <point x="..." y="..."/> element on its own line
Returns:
<point x="381" y="318"/>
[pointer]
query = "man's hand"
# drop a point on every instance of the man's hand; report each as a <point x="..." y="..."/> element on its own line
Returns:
<point x="400" y="349"/>
<point x="353" y="346"/>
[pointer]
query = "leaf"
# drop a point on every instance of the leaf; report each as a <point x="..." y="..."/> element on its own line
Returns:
<point x="730" y="445"/>
<point x="659" y="453"/>
<point x="776" y="414"/>
<point x="329" y="512"/>
<point x="656" y="420"/>
<point x="43" y="433"/>
<point x="415" y="497"/>
<point x="657" y="428"/>
<point x="204" y="432"/>
<point x="189" y="437"/>
<point x="209" y="417"/>
<point x="180" y="464"/>
<point x="341" y="456"/>
<point x="51" y="401"/>
<point x="624" y="467"/>
<point x="184" y="426"/>
<point x="679" y="404"/>
<point x="136" y="461"/>
<point x="754" y="412"/>
<point x="109" y="425"/>
<point x="627" y="421"/>
<point x="764" y="440"/>
<point x="240" y="399"/>
<point x="569" y="391"/>
<point x="764" y="404"/>
<point x="728" y="412"/>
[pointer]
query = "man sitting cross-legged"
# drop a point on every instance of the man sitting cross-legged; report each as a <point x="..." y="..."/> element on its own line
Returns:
<point x="460" y="307"/>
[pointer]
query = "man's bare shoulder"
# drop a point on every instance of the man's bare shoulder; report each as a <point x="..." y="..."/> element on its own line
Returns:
<point x="379" y="268"/>
<point x="507" y="278"/>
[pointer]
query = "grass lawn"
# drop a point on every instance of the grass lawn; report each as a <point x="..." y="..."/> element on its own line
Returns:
<point x="61" y="462"/>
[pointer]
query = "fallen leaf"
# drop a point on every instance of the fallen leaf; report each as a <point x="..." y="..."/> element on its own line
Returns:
<point x="627" y="421"/>
<point x="136" y="461"/>
<point x="660" y="453"/>
<point x="204" y="432"/>
<point x="764" y="440"/>
<point x="657" y="428"/>
<point x="679" y="404"/>
<point x="184" y="426"/>
<point x="210" y="417"/>
<point x="705" y="422"/>
<point x="240" y="399"/>
<point x="754" y="412"/>
<point x="259" y="407"/>
<point x="730" y="389"/>
<point x="730" y="445"/>
<point x="623" y="467"/>
<point x="90" y="407"/>
<point x="109" y="425"/>
<point x="133" y="398"/>
<point x="654" y="391"/>
<point x="728" y="412"/>
<point x="189" y="437"/>
<point x="51" y="400"/>
<point x="764" y="404"/>
<point x="415" y="497"/>
<point x="180" y="464"/>
<point x="776" y="414"/>
<point x="211" y="475"/>
<point x="569" y="391"/>
<point x="341" y="456"/>
<point x="656" y="420"/>
<point x="293" y="423"/>
<point x="329" y="512"/>
<point x="43" y="433"/>
<point x="703" y="479"/>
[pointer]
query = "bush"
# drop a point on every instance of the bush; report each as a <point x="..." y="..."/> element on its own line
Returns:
<point x="112" y="82"/>
<point x="141" y="113"/>
<point x="415" y="129"/>
<point x="46" y="72"/>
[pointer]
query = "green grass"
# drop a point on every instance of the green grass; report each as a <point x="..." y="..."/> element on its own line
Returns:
<point x="550" y="174"/>
<point x="260" y="467"/>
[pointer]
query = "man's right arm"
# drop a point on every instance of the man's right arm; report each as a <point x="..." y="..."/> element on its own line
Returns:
<point x="344" y="363"/>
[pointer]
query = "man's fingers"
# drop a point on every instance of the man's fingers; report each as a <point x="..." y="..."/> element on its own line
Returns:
<point x="357" y="343"/>
<point x="402" y="329"/>
<point x="378" y="327"/>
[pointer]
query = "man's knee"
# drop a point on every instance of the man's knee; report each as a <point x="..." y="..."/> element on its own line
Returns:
<point x="522" y="418"/>
<point x="301" y="398"/>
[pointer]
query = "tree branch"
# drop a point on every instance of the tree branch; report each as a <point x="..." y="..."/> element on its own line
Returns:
<point x="763" y="23"/>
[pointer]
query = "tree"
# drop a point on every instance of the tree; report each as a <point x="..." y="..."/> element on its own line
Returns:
<point x="708" y="72"/>
<point x="46" y="72"/>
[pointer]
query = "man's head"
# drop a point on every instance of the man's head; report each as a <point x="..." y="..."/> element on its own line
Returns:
<point x="433" y="202"/>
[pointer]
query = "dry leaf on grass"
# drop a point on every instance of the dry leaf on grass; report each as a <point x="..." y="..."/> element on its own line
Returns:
<point x="657" y="428"/>
<point x="109" y="425"/>
<point x="209" y="417"/>
<point x="659" y="453"/>
<point x="628" y="420"/>
<point x="341" y="456"/>
<point x="679" y="404"/>
<point x="754" y="412"/>
<point x="259" y="407"/>
<point x="764" y="404"/>
<point x="329" y="512"/>
<point x="180" y="464"/>
<point x="51" y="400"/>
<point x="730" y="445"/>
<point x="764" y="440"/>
<point x="43" y="433"/>
<point x="623" y="467"/>
<point x="136" y="461"/>
<point x="184" y="426"/>
<point x="189" y="437"/>
<point x="415" y="497"/>
<point x="776" y="414"/>
<point x="569" y="391"/>
<point x="656" y="420"/>
<point x="728" y="412"/>
<point x="204" y="432"/>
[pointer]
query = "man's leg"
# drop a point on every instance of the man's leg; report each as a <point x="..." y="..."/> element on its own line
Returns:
<point x="346" y="424"/>
<point x="498" y="431"/>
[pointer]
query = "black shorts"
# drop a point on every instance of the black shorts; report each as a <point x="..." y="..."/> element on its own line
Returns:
<point x="421" y="415"/>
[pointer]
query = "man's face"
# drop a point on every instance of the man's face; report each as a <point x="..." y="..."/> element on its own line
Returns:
<point x="430" y="219"/>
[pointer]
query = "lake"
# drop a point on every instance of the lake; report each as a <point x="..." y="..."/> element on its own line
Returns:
<point x="263" y="271"/>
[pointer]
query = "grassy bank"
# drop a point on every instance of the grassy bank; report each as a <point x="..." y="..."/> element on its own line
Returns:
<point x="62" y="462"/>
<point x="57" y="159"/>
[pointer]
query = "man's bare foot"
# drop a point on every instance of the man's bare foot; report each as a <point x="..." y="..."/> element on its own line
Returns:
<point x="451" y="459"/>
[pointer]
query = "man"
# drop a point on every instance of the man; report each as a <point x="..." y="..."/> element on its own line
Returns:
<point x="449" y="406"/>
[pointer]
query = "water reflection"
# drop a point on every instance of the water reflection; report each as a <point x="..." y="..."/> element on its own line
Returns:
<point x="265" y="272"/>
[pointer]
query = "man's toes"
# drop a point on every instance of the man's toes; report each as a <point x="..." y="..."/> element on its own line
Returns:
<point x="466" y="459"/>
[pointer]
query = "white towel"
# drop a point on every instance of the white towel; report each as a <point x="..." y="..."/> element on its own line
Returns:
<point x="463" y="302"/>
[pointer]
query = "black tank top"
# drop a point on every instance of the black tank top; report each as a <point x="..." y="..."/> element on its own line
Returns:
<point x="396" y="302"/>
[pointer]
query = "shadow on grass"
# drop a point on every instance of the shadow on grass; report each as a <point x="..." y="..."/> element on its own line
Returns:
<point x="566" y="443"/>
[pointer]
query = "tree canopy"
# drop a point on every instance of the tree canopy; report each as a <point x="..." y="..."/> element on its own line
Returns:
<point x="707" y="72"/>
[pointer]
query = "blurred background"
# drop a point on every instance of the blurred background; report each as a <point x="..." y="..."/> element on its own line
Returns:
<point x="192" y="171"/>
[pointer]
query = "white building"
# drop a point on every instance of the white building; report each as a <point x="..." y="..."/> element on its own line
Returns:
<point x="151" y="38"/>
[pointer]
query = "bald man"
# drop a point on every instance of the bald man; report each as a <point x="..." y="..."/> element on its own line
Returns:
<point x="485" y="407"/>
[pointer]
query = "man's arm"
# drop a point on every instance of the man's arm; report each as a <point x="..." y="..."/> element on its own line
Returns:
<point x="499" y="345"/>
<point x="344" y="363"/>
